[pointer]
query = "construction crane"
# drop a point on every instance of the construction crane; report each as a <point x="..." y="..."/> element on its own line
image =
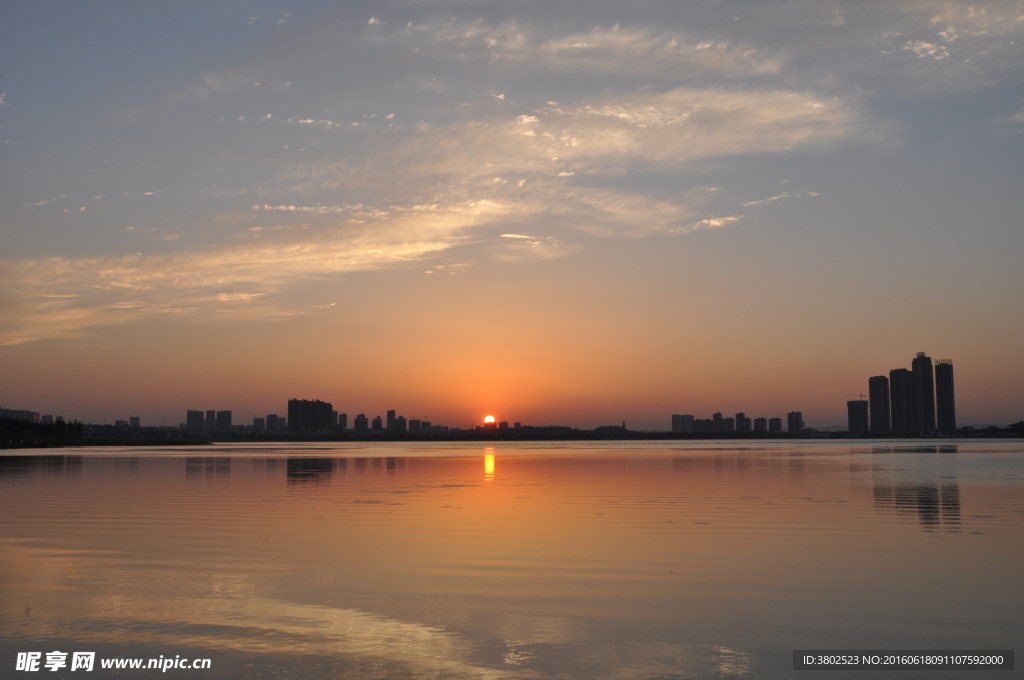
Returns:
<point x="857" y="395"/>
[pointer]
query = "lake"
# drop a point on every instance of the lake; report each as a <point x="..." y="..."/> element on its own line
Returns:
<point x="634" y="560"/>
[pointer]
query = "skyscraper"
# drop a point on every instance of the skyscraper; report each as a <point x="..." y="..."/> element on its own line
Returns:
<point x="903" y="401"/>
<point x="925" y="384"/>
<point x="306" y="415"/>
<point x="211" y="421"/>
<point x="878" y="394"/>
<point x="796" y="422"/>
<point x="857" y="415"/>
<point x="945" y="406"/>
<point x="194" y="421"/>
<point x="682" y="424"/>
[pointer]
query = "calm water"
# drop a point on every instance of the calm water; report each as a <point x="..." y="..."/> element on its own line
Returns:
<point x="626" y="561"/>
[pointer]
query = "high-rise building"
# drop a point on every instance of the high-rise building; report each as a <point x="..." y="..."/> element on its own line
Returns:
<point x="717" y="423"/>
<point x="134" y="422"/>
<point x="377" y="425"/>
<point x="878" y="396"/>
<point x="682" y="424"/>
<point x="857" y="415"/>
<point x="223" y="421"/>
<point x="414" y="425"/>
<point x="391" y="421"/>
<point x="195" y="421"/>
<point x="945" y="404"/>
<point x="400" y="425"/>
<point x="760" y="425"/>
<point x="361" y="425"/>
<point x="925" y="383"/>
<point x="342" y="421"/>
<point x="903" y="401"/>
<point x="211" y="421"/>
<point x="775" y="426"/>
<point x="259" y="425"/>
<point x="742" y="423"/>
<point x="795" y="422"/>
<point x="305" y="415"/>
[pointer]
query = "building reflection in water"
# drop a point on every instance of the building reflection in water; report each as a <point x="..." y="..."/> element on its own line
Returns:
<point x="208" y="468"/>
<point x="49" y="466"/>
<point x="315" y="470"/>
<point x="921" y="485"/>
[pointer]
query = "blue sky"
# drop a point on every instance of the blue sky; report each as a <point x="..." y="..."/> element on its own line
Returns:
<point x="687" y="192"/>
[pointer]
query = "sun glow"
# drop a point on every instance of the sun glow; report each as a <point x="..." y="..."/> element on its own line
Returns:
<point x="489" y="420"/>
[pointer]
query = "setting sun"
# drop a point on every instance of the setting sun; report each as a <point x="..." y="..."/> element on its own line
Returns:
<point x="489" y="420"/>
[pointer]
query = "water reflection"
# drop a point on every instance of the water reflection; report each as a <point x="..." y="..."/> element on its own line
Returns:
<point x="489" y="464"/>
<point x="610" y="562"/>
<point x="309" y="470"/>
<point x="208" y="468"/>
<point x="51" y="466"/>
<point x="923" y="485"/>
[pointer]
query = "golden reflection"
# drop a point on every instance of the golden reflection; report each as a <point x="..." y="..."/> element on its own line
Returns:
<point x="489" y="464"/>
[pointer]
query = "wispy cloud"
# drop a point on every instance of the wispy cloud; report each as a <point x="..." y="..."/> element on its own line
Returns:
<point x="56" y="296"/>
<point x="607" y="50"/>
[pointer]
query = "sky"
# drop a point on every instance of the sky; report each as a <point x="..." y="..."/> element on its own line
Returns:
<point x="558" y="212"/>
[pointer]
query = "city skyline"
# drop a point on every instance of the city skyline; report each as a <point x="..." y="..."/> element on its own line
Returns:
<point x="558" y="212"/>
<point x="908" y="401"/>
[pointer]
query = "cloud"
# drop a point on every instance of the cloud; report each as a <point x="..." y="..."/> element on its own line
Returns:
<point x="787" y="194"/>
<point x="715" y="222"/>
<point x="58" y="296"/>
<point x="601" y="50"/>
<point x="927" y="49"/>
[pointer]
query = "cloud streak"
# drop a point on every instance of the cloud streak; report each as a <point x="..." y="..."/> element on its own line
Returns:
<point x="57" y="296"/>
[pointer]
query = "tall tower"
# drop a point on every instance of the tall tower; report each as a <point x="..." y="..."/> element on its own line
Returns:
<point x="922" y="368"/>
<point x="796" y="422"/>
<point x="902" y="399"/>
<point x="857" y="414"/>
<point x="878" y="394"/>
<point x="945" y="406"/>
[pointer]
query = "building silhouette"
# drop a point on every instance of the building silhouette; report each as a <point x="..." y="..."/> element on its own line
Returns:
<point x="195" y="421"/>
<point x="775" y="426"/>
<point x="903" y="401"/>
<point x="857" y="416"/>
<point x="924" y="383"/>
<point x="211" y="421"/>
<point x="361" y="425"/>
<point x="795" y="422"/>
<point x="878" y="395"/>
<point x="682" y="424"/>
<point x="945" y="404"/>
<point x="760" y="425"/>
<point x="377" y="425"/>
<point x="309" y="416"/>
<point x="743" y="423"/>
<point x="223" y="421"/>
